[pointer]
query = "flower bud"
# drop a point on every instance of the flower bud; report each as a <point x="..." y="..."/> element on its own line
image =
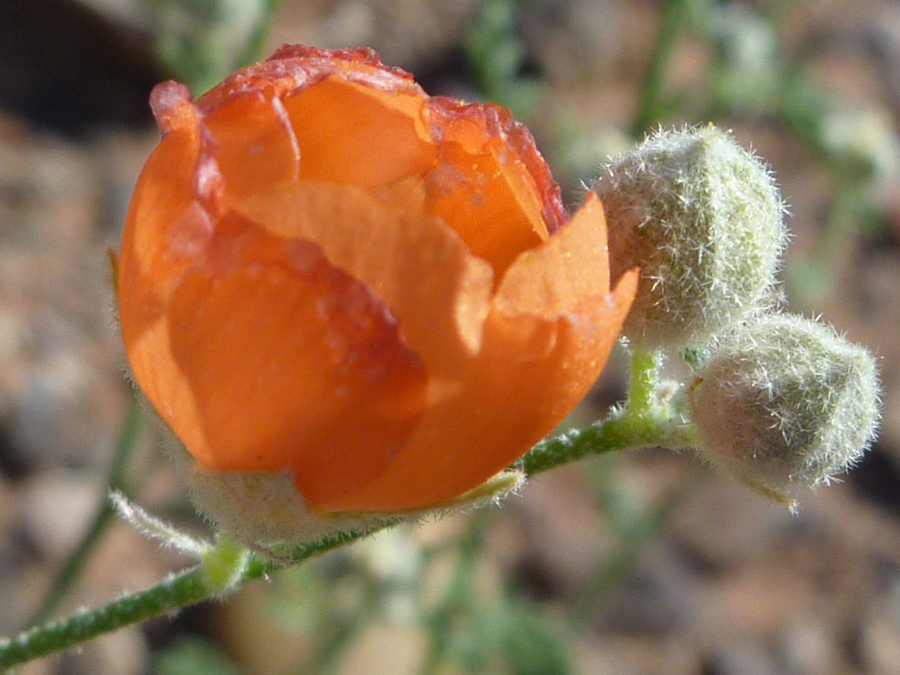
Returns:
<point x="785" y="403"/>
<point x="702" y="218"/>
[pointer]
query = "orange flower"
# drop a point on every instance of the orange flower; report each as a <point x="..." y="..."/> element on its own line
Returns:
<point x="327" y="272"/>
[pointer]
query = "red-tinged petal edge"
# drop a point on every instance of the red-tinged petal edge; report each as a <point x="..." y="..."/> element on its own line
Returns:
<point x="498" y="122"/>
<point x="295" y="67"/>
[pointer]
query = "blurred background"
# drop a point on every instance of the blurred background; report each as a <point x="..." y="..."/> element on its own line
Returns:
<point x="643" y="563"/>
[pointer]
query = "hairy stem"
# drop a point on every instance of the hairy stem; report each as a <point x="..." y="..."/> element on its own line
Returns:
<point x="620" y="432"/>
<point x="173" y="593"/>
<point x="643" y="422"/>
<point x="643" y="385"/>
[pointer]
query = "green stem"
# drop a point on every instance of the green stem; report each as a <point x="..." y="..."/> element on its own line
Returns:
<point x="178" y="591"/>
<point x="643" y="385"/>
<point x="651" y="106"/>
<point x="103" y="515"/>
<point x="643" y="422"/>
<point x="621" y="432"/>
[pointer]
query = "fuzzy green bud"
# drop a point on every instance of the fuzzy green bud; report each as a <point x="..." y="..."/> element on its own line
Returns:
<point x="785" y="403"/>
<point x="702" y="218"/>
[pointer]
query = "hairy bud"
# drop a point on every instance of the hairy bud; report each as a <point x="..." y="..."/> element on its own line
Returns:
<point x="702" y="218"/>
<point x="785" y="403"/>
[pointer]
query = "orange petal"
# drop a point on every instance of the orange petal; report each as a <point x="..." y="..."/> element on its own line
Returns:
<point x="535" y="365"/>
<point x="407" y="194"/>
<point x="289" y="363"/>
<point x="579" y="257"/>
<point x="482" y="187"/>
<point x="165" y="229"/>
<point x="414" y="263"/>
<point x="352" y="133"/>
<point x="256" y="146"/>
